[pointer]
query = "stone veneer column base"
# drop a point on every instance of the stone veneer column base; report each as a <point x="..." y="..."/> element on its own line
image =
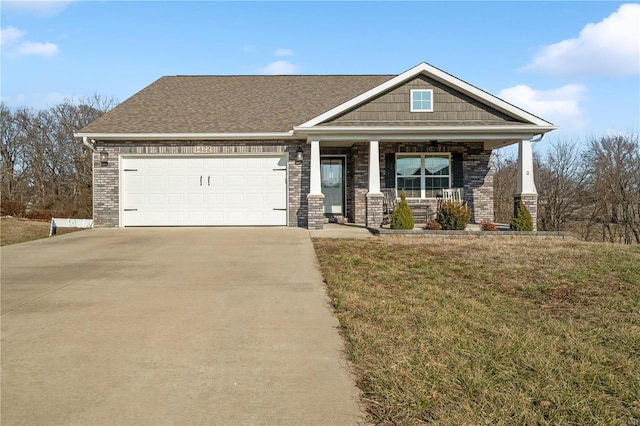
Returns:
<point x="531" y="202"/>
<point x="315" y="203"/>
<point x="374" y="210"/>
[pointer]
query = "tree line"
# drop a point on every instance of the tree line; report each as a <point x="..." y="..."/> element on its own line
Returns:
<point x="590" y="188"/>
<point x="45" y="170"/>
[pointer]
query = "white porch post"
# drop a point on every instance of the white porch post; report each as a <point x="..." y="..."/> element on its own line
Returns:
<point x="315" y="187"/>
<point x="526" y="192"/>
<point x="374" y="196"/>
<point x="374" y="168"/>
<point x="526" y="185"/>
<point x="315" y="199"/>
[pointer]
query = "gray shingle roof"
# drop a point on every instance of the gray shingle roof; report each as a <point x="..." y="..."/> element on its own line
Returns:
<point x="231" y="104"/>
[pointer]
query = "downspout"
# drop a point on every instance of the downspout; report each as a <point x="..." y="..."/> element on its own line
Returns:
<point x="538" y="139"/>
<point x="85" y="141"/>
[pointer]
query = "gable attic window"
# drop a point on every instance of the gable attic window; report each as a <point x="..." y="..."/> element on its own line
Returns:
<point x="422" y="100"/>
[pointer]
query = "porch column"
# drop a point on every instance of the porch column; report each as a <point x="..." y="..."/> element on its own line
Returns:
<point x="526" y="192"/>
<point x="315" y="198"/>
<point x="374" y="196"/>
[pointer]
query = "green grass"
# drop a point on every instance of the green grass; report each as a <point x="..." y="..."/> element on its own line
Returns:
<point x="479" y="331"/>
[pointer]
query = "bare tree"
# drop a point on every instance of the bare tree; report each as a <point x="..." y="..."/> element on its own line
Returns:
<point x="40" y="156"/>
<point x="561" y="178"/>
<point x="504" y="185"/>
<point x="614" y="180"/>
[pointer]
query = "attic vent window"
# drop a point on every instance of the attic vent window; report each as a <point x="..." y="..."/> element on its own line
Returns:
<point x="422" y="100"/>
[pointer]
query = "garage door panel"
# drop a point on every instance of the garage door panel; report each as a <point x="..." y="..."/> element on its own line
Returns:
<point x="157" y="199"/>
<point x="174" y="191"/>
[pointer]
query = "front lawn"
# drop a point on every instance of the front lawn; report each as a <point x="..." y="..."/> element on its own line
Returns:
<point x="480" y="331"/>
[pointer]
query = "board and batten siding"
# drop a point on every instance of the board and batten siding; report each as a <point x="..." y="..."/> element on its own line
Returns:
<point x="450" y="108"/>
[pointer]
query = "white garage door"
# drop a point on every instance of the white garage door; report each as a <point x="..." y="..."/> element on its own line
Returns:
<point x="195" y="191"/>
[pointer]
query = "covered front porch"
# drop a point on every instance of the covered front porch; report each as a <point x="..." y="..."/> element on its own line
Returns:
<point x="346" y="187"/>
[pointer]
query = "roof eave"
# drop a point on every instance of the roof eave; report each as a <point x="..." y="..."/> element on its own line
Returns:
<point x="184" y="136"/>
<point x="450" y="133"/>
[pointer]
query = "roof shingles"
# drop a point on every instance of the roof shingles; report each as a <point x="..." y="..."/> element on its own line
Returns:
<point x="231" y="104"/>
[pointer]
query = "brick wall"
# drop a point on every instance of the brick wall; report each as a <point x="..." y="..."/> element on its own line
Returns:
<point x="106" y="184"/>
<point x="477" y="174"/>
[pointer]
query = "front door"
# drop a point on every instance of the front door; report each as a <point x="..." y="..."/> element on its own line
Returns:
<point x="332" y="181"/>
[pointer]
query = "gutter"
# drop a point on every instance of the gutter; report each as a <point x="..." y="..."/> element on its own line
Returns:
<point x="85" y="141"/>
<point x="185" y="136"/>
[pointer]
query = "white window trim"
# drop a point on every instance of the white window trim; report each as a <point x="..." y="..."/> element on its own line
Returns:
<point x="422" y="172"/>
<point x="411" y="100"/>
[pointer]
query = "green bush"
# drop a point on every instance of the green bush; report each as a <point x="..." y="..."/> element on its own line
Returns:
<point x="402" y="216"/>
<point x="522" y="220"/>
<point x="453" y="216"/>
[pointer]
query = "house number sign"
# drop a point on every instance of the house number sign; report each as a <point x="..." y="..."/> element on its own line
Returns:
<point x="203" y="149"/>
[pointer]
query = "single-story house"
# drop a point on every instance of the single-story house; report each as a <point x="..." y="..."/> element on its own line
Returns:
<point x="300" y="150"/>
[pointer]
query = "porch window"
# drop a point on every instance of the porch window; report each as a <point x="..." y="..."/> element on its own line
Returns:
<point x="422" y="100"/>
<point x="423" y="175"/>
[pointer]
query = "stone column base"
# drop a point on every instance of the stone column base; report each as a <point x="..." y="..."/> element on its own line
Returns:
<point x="531" y="202"/>
<point x="315" y="206"/>
<point x="374" y="209"/>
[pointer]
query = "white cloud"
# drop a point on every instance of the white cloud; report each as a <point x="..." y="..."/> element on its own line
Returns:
<point x="609" y="47"/>
<point x="10" y="40"/>
<point x="283" y="52"/>
<point x="30" y="48"/>
<point x="279" y="68"/>
<point x="39" y="8"/>
<point x="560" y="106"/>
<point x="10" y="35"/>
<point x="248" y="48"/>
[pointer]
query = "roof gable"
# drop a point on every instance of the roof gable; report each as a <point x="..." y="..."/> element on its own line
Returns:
<point x="435" y="75"/>
<point x="450" y="108"/>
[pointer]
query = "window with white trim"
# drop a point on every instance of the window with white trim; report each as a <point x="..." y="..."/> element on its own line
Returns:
<point x="422" y="100"/>
<point x="423" y="175"/>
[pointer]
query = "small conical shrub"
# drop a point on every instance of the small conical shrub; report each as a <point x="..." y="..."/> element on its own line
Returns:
<point x="522" y="221"/>
<point x="402" y="216"/>
<point x="453" y="216"/>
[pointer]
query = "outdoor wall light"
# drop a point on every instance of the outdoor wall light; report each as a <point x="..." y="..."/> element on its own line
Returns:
<point x="104" y="158"/>
<point x="299" y="155"/>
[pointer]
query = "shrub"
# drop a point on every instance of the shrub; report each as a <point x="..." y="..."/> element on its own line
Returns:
<point x="522" y="221"/>
<point x="13" y="208"/>
<point x="453" y="216"/>
<point x="488" y="226"/>
<point x="432" y="225"/>
<point x="402" y="217"/>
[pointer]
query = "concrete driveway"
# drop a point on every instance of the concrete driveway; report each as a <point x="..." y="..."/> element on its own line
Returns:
<point x="190" y="326"/>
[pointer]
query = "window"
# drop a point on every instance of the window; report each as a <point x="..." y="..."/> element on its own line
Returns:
<point x="422" y="100"/>
<point x="423" y="175"/>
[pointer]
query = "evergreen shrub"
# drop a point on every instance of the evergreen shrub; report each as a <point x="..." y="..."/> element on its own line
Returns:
<point x="402" y="216"/>
<point x="453" y="216"/>
<point x="522" y="220"/>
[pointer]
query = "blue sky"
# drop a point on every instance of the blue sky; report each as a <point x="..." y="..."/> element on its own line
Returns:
<point x="576" y="64"/>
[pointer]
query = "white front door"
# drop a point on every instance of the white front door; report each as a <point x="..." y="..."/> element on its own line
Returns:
<point x="192" y="191"/>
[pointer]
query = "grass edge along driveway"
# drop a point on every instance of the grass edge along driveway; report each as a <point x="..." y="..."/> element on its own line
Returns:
<point x="490" y="332"/>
